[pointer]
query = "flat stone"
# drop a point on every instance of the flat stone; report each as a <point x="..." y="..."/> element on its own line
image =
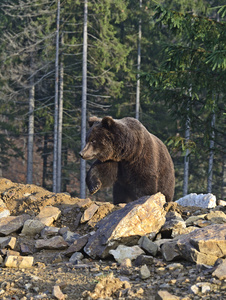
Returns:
<point x="83" y="203"/>
<point x="8" y="242"/>
<point x="123" y="252"/>
<point x="32" y="227"/>
<point x="220" y="271"/>
<point x="88" y="213"/>
<point x="77" y="245"/>
<point x="165" y="295"/>
<point x="190" y="221"/>
<point x="12" y="224"/>
<point x="49" y="231"/>
<point x="48" y="215"/>
<point x="13" y="261"/>
<point x="6" y="252"/>
<point x="137" y="218"/>
<point x="53" y="243"/>
<point x="57" y="293"/>
<point x="200" y="200"/>
<point x="70" y="236"/>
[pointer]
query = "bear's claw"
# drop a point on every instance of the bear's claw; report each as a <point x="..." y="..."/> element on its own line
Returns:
<point x="94" y="189"/>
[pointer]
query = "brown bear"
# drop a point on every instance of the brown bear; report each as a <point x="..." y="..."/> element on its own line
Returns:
<point x="128" y="157"/>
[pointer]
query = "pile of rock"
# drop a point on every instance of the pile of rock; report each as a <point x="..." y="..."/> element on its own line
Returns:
<point x="138" y="232"/>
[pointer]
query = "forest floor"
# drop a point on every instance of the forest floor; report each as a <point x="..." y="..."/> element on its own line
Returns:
<point x="52" y="268"/>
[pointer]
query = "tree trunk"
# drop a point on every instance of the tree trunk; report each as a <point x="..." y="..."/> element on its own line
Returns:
<point x="45" y="157"/>
<point x="60" y="123"/>
<point x="210" y="170"/>
<point x="138" y="68"/>
<point x="84" y="101"/>
<point x="223" y="189"/>
<point x="186" y="158"/>
<point x="30" y="143"/>
<point x="56" y="104"/>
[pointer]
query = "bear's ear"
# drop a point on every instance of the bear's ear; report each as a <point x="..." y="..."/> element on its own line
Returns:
<point x="93" y="120"/>
<point x="108" y="122"/>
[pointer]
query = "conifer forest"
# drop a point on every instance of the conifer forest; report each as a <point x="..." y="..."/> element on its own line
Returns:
<point x="162" y="62"/>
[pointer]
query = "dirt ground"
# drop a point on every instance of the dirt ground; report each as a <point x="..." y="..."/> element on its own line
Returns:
<point x="52" y="268"/>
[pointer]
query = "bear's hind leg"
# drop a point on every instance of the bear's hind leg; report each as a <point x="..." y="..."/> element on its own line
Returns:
<point x="101" y="174"/>
<point x="121" y="194"/>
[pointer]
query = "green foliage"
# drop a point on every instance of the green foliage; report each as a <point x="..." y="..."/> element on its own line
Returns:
<point x="191" y="79"/>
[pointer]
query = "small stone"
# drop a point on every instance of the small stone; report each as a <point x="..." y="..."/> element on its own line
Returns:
<point x="77" y="256"/>
<point x="144" y="260"/>
<point x="32" y="227"/>
<point x="77" y="245"/>
<point x="70" y="237"/>
<point x="26" y="249"/>
<point x="8" y="242"/>
<point x="147" y="245"/>
<point x="13" y="261"/>
<point x="215" y="214"/>
<point x="220" y="271"/>
<point x="202" y="287"/>
<point x="165" y="295"/>
<point x="221" y="202"/>
<point x="6" y="252"/>
<point x="49" y="231"/>
<point x="4" y="212"/>
<point x="190" y="221"/>
<point x="56" y="242"/>
<point x="48" y="215"/>
<point x="144" y="272"/>
<point x="84" y="203"/>
<point x="57" y="293"/>
<point x="126" y="263"/>
<point x="175" y="266"/>
<point x="89" y="212"/>
<point x="123" y="252"/>
<point x="63" y="230"/>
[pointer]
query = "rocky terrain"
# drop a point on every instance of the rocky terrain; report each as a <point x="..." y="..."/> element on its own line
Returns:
<point x="54" y="246"/>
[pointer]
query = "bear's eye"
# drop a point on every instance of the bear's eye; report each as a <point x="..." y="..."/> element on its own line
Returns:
<point x="93" y="142"/>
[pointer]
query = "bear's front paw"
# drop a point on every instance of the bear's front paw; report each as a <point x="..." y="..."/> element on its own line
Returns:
<point x="94" y="186"/>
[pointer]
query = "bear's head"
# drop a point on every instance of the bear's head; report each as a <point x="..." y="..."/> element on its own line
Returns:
<point x="100" y="140"/>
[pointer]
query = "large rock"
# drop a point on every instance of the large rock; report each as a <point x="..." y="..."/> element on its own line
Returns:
<point x="201" y="200"/>
<point x="12" y="224"/>
<point x="202" y="246"/>
<point x="143" y="216"/>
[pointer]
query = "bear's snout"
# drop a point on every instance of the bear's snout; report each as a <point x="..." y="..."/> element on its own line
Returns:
<point x="88" y="152"/>
<point x="81" y="154"/>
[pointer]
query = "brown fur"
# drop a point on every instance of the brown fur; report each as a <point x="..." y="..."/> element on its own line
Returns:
<point x="135" y="161"/>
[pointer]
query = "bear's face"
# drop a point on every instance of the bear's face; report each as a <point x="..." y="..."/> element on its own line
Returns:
<point x="99" y="142"/>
